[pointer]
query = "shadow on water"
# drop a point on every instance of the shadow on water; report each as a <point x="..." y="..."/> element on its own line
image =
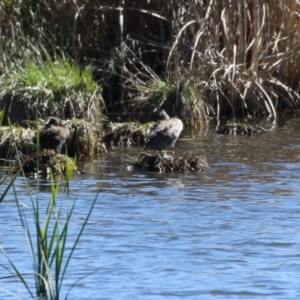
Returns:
<point x="229" y="232"/>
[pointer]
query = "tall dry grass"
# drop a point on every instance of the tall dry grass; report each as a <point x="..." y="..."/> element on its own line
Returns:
<point x="244" y="54"/>
<point x="219" y="56"/>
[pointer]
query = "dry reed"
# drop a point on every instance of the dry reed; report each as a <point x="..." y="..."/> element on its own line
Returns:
<point x="194" y="58"/>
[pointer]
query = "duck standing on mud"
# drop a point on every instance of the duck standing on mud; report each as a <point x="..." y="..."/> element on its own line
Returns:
<point x="164" y="133"/>
<point x="53" y="135"/>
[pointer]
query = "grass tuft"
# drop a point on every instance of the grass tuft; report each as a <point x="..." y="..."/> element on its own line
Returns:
<point x="57" y="88"/>
<point x="56" y="77"/>
<point x="47" y="240"/>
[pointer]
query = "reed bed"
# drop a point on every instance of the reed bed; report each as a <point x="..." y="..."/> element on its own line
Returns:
<point x="193" y="58"/>
<point x="237" y="59"/>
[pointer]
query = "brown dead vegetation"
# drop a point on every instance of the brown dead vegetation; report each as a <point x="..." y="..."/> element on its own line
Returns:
<point x="45" y="165"/>
<point x="156" y="163"/>
<point x="240" y="129"/>
<point x="193" y="58"/>
<point x="126" y="134"/>
<point x="84" y="141"/>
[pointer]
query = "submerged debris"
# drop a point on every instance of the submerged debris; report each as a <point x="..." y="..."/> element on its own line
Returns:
<point x="156" y="163"/>
<point x="46" y="164"/>
<point x="239" y="129"/>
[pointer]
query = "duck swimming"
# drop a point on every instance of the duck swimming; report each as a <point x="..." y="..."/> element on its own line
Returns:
<point x="164" y="133"/>
<point x="53" y="135"/>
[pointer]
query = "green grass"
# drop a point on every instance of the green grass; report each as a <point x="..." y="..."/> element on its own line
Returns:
<point x="57" y="76"/>
<point x="157" y="89"/>
<point x="47" y="240"/>
<point x="57" y="88"/>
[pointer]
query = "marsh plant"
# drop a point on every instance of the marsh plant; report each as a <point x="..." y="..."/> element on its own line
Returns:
<point x="239" y="57"/>
<point x="57" y="88"/>
<point x="149" y="92"/>
<point x="48" y="240"/>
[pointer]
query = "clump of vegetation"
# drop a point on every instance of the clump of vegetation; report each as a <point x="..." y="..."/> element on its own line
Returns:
<point x="240" y="129"/>
<point x="156" y="163"/>
<point x="84" y="141"/>
<point x="12" y="137"/>
<point x="148" y="93"/>
<point x="85" y="138"/>
<point x="56" y="88"/>
<point x="56" y="77"/>
<point x="46" y="165"/>
<point x="126" y="134"/>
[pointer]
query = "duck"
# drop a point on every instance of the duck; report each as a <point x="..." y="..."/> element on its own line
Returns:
<point x="53" y="135"/>
<point x="164" y="133"/>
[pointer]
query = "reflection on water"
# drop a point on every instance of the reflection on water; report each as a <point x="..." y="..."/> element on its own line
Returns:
<point x="229" y="232"/>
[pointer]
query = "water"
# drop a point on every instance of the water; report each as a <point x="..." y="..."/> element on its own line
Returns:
<point x="232" y="232"/>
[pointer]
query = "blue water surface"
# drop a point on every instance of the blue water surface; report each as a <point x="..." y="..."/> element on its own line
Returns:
<point x="232" y="232"/>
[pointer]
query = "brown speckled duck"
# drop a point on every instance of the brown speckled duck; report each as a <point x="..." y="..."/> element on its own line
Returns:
<point x="53" y="135"/>
<point x="164" y="133"/>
